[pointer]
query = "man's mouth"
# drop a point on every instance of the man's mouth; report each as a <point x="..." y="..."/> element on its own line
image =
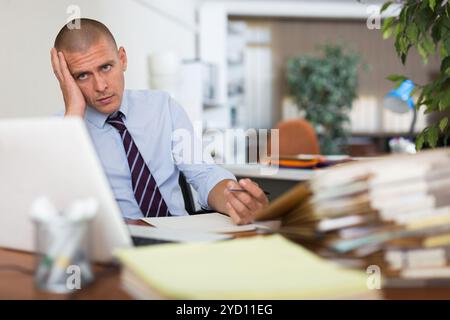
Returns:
<point x="105" y="100"/>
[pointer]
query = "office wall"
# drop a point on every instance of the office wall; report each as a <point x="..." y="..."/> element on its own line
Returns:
<point x="298" y="36"/>
<point x="28" y="28"/>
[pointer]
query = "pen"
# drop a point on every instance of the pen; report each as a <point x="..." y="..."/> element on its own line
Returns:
<point x="243" y="190"/>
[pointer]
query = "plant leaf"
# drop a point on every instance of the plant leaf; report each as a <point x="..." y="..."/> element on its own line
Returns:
<point x="445" y="64"/>
<point x="432" y="4"/>
<point x="385" y="6"/>
<point x="433" y="136"/>
<point x="428" y="45"/>
<point x="422" y="52"/>
<point x="396" y="77"/>
<point x="444" y="101"/>
<point x="412" y="32"/>
<point x="419" y="141"/>
<point x="443" y="124"/>
<point x="389" y="26"/>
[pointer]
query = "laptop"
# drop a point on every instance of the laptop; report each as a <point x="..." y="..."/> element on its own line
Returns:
<point x="55" y="157"/>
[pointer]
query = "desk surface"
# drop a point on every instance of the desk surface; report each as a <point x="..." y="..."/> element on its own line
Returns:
<point x="19" y="285"/>
<point x="263" y="172"/>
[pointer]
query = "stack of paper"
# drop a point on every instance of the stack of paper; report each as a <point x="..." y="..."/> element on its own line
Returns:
<point x="269" y="267"/>
<point x="208" y="222"/>
<point x="393" y="211"/>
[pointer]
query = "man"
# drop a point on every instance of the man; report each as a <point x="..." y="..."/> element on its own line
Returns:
<point x="132" y="132"/>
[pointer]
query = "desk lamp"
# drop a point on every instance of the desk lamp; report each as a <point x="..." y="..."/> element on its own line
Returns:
<point x="400" y="101"/>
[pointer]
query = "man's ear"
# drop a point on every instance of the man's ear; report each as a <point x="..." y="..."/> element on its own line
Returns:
<point x="123" y="58"/>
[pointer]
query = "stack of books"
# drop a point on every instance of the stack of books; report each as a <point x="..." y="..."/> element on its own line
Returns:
<point x="393" y="212"/>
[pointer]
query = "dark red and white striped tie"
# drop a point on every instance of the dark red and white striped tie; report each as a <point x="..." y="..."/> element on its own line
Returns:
<point x="144" y="185"/>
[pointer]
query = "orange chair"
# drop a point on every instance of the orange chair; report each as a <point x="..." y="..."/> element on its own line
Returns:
<point x="297" y="137"/>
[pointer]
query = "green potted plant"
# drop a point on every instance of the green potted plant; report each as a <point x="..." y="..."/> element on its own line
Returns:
<point x="324" y="88"/>
<point x="425" y="26"/>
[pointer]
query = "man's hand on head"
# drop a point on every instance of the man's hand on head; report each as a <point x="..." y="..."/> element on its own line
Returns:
<point x="74" y="101"/>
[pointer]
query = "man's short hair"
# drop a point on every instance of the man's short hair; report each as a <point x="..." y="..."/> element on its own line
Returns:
<point x="90" y="32"/>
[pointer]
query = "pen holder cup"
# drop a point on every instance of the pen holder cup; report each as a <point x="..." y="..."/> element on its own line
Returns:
<point x="62" y="255"/>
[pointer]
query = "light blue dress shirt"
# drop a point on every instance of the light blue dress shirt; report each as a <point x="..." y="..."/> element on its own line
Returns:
<point x="151" y="118"/>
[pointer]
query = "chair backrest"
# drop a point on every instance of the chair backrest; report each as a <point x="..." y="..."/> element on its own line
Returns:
<point x="189" y="201"/>
<point x="189" y="204"/>
<point x="297" y="137"/>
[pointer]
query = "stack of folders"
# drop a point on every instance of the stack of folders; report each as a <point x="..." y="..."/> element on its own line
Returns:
<point x="393" y="212"/>
<point x="306" y="161"/>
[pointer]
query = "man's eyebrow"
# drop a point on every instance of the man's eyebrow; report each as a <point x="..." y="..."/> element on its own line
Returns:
<point x="77" y="73"/>
<point x="111" y="62"/>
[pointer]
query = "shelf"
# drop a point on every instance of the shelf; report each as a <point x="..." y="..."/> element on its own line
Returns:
<point x="380" y="134"/>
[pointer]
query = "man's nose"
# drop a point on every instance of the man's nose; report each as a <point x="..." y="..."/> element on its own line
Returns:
<point x="100" y="83"/>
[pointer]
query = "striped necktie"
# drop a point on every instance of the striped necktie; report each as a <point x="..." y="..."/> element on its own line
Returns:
<point x="144" y="185"/>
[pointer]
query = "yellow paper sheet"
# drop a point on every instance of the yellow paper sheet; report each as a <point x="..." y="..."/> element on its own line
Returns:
<point x="268" y="267"/>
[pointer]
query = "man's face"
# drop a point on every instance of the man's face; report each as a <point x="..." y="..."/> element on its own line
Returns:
<point x="99" y="72"/>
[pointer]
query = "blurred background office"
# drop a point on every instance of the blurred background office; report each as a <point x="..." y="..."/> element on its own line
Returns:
<point x="229" y="63"/>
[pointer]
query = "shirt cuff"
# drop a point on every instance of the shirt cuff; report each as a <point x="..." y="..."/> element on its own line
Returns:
<point x="215" y="175"/>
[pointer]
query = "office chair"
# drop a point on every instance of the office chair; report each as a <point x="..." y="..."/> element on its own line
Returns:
<point x="189" y="203"/>
<point x="297" y="137"/>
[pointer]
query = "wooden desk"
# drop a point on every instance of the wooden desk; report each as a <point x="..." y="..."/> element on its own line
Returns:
<point x="18" y="285"/>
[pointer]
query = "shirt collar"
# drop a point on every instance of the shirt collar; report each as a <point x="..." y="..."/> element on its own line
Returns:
<point x="98" y="118"/>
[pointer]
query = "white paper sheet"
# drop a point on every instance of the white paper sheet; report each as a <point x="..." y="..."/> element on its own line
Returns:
<point x="208" y="222"/>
